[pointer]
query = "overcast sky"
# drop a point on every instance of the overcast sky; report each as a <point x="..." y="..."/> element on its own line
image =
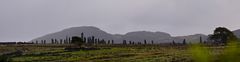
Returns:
<point x="22" y="20"/>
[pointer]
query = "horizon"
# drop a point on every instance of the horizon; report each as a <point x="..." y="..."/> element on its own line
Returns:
<point x="28" y="19"/>
<point x="109" y="33"/>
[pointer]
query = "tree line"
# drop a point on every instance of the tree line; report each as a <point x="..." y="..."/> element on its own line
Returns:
<point x="221" y="36"/>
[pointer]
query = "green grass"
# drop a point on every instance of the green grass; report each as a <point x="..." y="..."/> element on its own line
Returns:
<point x="114" y="54"/>
<point x="149" y="53"/>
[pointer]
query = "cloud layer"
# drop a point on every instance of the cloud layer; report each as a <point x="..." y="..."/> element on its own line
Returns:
<point x="28" y="19"/>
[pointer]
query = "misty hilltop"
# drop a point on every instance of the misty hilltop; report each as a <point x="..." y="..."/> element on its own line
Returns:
<point x="237" y="33"/>
<point x="137" y="36"/>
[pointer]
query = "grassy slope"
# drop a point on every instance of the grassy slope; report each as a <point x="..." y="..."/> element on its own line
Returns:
<point x="109" y="53"/>
<point x="114" y="54"/>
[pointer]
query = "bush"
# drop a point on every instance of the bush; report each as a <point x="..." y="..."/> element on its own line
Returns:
<point x="4" y="58"/>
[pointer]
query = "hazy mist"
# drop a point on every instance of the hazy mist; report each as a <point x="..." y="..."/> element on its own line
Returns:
<point x="23" y="20"/>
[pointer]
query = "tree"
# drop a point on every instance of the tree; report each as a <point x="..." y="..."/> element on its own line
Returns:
<point x="173" y="42"/>
<point x="102" y="41"/>
<point x="145" y="42"/>
<point x="98" y="41"/>
<point x="69" y="40"/>
<point x="56" y="41"/>
<point x="124" y="42"/>
<point x="66" y="40"/>
<point x="61" y="41"/>
<point x="139" y="43"/>
<point x="82" y="35"/>
<point x="77" y="41"/>
<point x="44" y="41"/>
<point x="222" y="35"/>
<point x="109" y="41"/>
<point x="36" y="42"/>
<point x="112" y="41"/>
<point x="52" y="41"/>
<point x="92" y="40"/>
<point x="184" y="42"/>
<point x="95" y="42"/>
<point x="201" y="40"/>
<point x="152" y="42"/>
<point x="41" y="41"/>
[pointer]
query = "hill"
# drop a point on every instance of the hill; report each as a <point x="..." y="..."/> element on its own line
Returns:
<point x="137" y="36"/>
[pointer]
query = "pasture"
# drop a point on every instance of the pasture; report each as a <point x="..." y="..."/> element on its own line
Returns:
<point x="106" y="53"/>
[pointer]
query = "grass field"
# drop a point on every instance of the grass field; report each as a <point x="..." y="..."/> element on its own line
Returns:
<point x="146" y="53"/>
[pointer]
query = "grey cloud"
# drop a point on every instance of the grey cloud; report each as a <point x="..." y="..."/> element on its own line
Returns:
<point x="28" y="19"/>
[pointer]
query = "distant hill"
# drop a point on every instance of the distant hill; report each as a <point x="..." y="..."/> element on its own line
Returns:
<point x="191" y="38"/>
<point x="137" y="36"/>
<point x="140" y="36"/>
<point x="237" y="33"/>
<point x="76" y="31"/>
